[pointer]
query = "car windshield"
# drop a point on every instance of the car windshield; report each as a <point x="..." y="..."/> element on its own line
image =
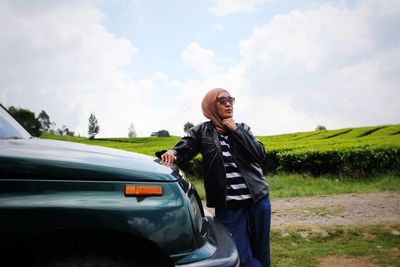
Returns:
<point x="10" y="128"/>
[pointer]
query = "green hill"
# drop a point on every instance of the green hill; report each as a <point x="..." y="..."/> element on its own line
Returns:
<point x="350" y="151"/>
<point x="347" y="138"/>
<point x="355" y="152"/>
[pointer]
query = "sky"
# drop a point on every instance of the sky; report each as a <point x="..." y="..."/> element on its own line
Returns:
<point x="291" y="65"/>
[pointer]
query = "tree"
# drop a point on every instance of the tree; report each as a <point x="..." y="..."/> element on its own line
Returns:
<point x="131" y="131"/>
<point x="60" y="131"/>
<point x="27" y="119"/>
<point x="320" y="128"/>
<point x="64" y="131"/>
<point x="187" y="126"/>
<point x="44" y="120"/>
<point x="52" y="128"/>
<point x="94" y="127"/>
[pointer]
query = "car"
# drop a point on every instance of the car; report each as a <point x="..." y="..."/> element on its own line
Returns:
<point x="70" y="204"/>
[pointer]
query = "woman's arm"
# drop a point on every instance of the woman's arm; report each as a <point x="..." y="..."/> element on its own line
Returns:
<point x="186" y="149"/>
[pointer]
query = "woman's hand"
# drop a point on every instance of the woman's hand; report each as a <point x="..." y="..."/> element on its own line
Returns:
<point x="168" y="157"/>
<point x="230" y="124"/>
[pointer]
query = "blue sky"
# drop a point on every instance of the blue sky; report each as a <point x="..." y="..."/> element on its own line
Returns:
<point x="162" y="29"/>
<point x="291" y="64"/>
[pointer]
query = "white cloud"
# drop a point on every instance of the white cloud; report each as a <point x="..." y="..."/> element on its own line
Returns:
<point x="332" y="62"/>
<point x="380" y="8"/>
<point x="312" y="38"/>
<point x="228" y="7"/>
<point x="367" y="90"/>
<point x="331" y="65"/>
<point x="65" y="62"/>
<point x="219" y="27"/>
<point x="160" y="76"/>
<point x="199" y="58"/>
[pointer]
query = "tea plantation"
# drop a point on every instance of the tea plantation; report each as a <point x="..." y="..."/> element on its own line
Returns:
<point x="356" y="152"/>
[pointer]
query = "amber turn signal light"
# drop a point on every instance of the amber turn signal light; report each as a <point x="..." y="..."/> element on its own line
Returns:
<point x="141" y="190"/>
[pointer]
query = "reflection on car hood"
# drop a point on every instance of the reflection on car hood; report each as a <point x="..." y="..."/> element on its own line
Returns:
<point x="51" y="159"/>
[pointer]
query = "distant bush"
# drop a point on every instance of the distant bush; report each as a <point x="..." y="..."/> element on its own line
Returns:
<point x="351" y="163"/>
<point x="320" y="128"/>
<point x="161" y="133"/>
<point x="348" y="162"/>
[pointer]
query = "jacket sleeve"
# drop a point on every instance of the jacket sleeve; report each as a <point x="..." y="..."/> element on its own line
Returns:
<point x="252" y="148"/>
<point x="188" y="147"/>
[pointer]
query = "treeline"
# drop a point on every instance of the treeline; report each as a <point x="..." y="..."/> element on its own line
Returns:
<point x="37" y="125"/>
<point x="42" y="123"/>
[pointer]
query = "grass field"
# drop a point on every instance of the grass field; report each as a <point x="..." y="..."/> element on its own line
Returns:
<point x="377" y="244"/>
<point x="384" y="135"/>
<point x="296" y="185"/>
<point x="371" y="136"/>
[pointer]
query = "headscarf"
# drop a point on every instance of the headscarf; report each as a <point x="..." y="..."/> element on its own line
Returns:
<point x="209" y="107"/>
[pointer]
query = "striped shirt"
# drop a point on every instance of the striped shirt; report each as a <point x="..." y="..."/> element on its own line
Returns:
<point x="237" y="190"/>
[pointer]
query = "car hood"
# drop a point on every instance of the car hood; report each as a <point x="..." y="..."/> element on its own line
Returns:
<point x="52" y="159"/>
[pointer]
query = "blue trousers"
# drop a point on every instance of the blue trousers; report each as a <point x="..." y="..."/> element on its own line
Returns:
<point x="250" y="228"/>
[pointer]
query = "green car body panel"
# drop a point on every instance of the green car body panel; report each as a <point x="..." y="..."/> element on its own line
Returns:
<point x="56" y="193"/>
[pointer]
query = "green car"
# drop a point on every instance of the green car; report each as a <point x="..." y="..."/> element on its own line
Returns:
<point x="70" y="204"/>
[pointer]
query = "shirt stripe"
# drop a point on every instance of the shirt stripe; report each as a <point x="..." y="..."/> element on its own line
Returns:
<point x="237" y="189"/>
<point x="238" y="186"/>
<point x="233" y="175"/>
<point x="241" y="197"/>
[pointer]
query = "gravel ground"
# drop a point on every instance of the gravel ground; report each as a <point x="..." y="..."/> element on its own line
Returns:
<point x="336" y="210"/>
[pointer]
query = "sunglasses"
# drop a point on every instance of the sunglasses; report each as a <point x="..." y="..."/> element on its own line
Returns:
<point x="223" y="100"/>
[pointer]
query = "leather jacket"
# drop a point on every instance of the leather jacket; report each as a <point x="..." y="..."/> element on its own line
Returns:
<point x="246" y="150"/>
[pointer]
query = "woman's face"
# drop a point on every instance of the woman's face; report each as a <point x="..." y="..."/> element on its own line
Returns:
<point x="225" y="105"/>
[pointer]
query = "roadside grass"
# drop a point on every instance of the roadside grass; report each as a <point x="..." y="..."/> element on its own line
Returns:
<point x="380" y="244"/>
<point x="296" y="185"/>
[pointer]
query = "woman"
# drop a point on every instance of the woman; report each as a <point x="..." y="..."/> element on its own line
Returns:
<point x="234" y="183"/>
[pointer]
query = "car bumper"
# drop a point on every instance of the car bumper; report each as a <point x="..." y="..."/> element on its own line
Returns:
<point x="226" y="254"/>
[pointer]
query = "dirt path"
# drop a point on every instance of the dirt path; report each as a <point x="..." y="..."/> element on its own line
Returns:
<point x="336" y="210"/>
<point x="348" y="209"/>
